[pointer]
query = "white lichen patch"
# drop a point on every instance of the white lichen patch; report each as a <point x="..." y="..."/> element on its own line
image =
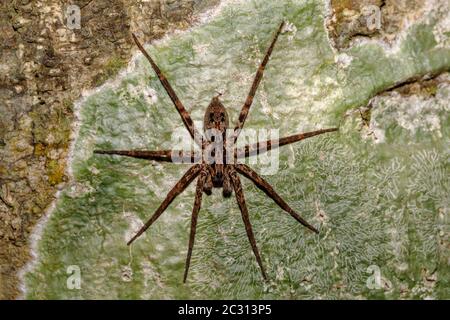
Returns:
<point x="201" y="49"/>
<point x="134" y="225"/>
<point x="321" y="215"/>
<point x="290" y="29"/>
<point x="266" y="107"/>
<point x="152" y="281"/>
<point x="441" y="30"/>
<point x="77" y="189"/>
<point x="413" y="113"/>
<point x="127" y="273"/>
<point x="343" y="60"/>
<point x="150" y="95"/>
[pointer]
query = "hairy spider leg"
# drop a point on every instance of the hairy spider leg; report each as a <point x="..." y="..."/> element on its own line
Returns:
<point x="197" y="204"/>
<point x="259" y="74"/>
<point x="245" y="217"/>
<point x="161" y="156"/>
<point x="207" y="188"/>
<point x="268" y="190"/>
<point x="187" y="120"/>
<point x="179" y="187"/>
<point x="262" y="147"/>
<point x="227" y="188"/>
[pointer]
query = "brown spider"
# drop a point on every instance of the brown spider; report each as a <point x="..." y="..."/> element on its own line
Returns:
<point x="220" y="171"/>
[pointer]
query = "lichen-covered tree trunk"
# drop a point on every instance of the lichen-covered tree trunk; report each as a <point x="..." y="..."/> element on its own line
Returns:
<point x="378" y="190"/>
<point x="45" y="65"/>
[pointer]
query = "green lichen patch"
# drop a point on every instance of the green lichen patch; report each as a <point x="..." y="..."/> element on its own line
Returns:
<point x="111" y="68"/>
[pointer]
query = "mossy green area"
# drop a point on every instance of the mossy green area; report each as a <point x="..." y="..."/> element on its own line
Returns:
<point x="110" y="69"/>
<point x="380" y="200"/>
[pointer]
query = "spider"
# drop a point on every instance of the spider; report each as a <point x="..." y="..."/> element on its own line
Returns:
<point x="217" y="171"/>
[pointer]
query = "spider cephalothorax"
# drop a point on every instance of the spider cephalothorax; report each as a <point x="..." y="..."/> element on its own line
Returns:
<point x="215" y="124"/>
<point x="216" y="118"/>
<point x="213" y="167"/>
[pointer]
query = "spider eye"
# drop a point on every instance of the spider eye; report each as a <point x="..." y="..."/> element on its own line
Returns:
<point x="211" y="117"/>
<point x="222" y="116"/>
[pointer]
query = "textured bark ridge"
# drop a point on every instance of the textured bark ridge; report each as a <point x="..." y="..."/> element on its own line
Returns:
<point x="353" y="19"/>
<point x="44" y="67"/>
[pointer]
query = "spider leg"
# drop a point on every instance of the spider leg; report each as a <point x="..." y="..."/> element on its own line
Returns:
<point x="259" y="148"/>
<point x="162" y="156"/>
<point x="195" y="210"/>
<point x="255" y="84"/>
<point x="245" y="217"/>
<point x="207" y="188"/>
<point x="179" y="187"/>
<point x="227" y="189"/>
<point x="267" y="188"/>
<point x="176" y="101"/>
